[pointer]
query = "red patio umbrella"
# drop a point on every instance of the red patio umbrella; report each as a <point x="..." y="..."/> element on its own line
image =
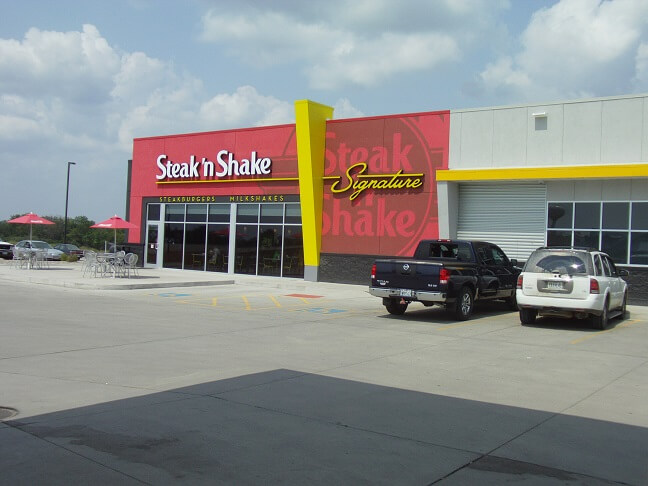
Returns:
<point x="30" y="219"/>
<point x="115" y="223"/>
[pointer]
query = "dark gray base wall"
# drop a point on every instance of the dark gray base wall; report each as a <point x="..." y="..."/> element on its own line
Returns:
<point x="350" y="269"/>
<point x="637" y="285"/>
<point x="356" y="269"/>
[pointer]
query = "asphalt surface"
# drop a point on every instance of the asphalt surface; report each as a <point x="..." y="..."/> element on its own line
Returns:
<point x="192" y="378"/>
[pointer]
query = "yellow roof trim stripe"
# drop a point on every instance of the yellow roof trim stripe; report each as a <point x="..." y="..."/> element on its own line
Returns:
<point x="624" y="171"/>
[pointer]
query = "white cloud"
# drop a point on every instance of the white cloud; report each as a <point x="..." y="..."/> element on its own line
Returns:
<point x="574" y="48"/>
<point x="344" y="109"/>
<point x="361" y="43"/>
<point x="72" y="96"/>
<point x="641" y="68"/>
<point x="243" y="107"/>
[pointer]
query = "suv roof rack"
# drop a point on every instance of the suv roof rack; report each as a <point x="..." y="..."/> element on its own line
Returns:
<point x="581" y="248"/>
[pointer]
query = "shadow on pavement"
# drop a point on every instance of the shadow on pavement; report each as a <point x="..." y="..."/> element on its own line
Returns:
<point x="287" y="427"/>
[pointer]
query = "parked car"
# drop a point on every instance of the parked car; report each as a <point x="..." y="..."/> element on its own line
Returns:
<point x="6" y="250"/>
<point x="450" y="273"/>
<point x="69" y="249"/>
<point x="52" y="254"/>
<point x="571" y="283"/>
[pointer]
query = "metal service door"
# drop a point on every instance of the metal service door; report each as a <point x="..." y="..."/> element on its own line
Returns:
<point x="153" y="252"/>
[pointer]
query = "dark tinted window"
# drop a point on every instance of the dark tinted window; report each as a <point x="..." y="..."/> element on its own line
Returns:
<point x="567" y="262"/>
<point x="587" y="215"/>
<point x="616" y="215"/>
<point x="559" y="215"/>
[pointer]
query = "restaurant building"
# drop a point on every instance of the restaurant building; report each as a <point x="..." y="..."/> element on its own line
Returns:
<point x="321" y="198"/>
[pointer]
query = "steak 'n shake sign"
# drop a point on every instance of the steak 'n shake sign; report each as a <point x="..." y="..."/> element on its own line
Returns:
<point x="224" y="166"/>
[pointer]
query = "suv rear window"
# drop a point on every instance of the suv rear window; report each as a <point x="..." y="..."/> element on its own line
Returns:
<point x="562" y="262"/>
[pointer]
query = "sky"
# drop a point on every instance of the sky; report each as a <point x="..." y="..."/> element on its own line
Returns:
<point x="80" y="79"/>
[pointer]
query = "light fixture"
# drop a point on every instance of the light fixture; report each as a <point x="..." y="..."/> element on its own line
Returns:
<point x="67" y="190"/>
<point x="539" y="114"/>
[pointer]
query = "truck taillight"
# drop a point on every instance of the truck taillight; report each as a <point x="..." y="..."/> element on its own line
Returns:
<point x="519" y="282"/>
<point x="594" y="286"/>
<point x="373" y="272"/>
<point x="444" y="276"/>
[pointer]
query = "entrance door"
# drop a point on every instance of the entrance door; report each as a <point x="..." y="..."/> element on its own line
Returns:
<point x="153" y="253"/>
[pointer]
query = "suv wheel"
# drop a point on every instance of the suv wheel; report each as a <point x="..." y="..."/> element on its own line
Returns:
<point x="528" y="316"/>
<point x="601" y="321"/>
<point x="623" y="306"/>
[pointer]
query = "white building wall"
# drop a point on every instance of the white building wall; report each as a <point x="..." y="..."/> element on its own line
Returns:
<point x="587" y="132"/>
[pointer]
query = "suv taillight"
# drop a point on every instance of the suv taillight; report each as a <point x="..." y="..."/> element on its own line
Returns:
<point x="594" y="286"/>
<point x="444" y="276"/>
<point x="519" y="282"/>
<point x="373" y="272"/>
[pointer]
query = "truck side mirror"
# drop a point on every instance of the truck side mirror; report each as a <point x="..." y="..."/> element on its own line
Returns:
<point x="514" y="262"/>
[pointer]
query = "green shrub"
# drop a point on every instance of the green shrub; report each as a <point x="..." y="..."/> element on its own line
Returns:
<point x="72" y="258"/>
<point x="64" y="257"/>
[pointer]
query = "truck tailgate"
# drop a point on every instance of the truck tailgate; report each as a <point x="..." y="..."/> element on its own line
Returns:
<point x="408" y="274"/>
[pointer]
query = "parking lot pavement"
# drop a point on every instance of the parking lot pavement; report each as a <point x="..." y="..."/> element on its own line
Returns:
<point x="262" y="382"/>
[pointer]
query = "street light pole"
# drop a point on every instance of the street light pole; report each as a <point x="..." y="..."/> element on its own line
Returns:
<point x="67" y="191"/>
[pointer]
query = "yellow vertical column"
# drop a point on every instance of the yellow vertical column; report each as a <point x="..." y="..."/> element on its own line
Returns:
<point x="310" y="125"/>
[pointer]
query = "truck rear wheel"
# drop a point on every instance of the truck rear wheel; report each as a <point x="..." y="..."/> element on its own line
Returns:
<point x="464" y="304"/>
<point x="395" y="307"/>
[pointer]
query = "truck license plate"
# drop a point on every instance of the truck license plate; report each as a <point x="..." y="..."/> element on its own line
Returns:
<point x="555" y="285"/>
<point x="405" y="293"/>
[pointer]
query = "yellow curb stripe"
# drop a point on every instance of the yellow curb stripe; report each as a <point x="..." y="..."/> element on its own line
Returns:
<point x="247" y="302"/>
<point x="276" y="302"/>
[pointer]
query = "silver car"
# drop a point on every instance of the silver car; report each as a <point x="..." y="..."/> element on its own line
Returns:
<point x="571" y="282"/>
<point x="52" y="254"/>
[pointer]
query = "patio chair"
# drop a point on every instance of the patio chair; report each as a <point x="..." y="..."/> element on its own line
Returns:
<point x="130" y="262"/>
<point x="117" y="264"/>
<point x="39" y="259"/>
<point x="19" y="259"/>
<point x="91" y="265"/>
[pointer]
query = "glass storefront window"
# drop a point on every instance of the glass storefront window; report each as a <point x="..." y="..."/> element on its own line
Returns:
<point x="219" y="213"/>
<point x="153" y="212"/>
<point x="194" y="247"/>
<point x="173" y="243"/>
<point x="245" y="253"/>
<point x="639" y="249"/>
<point x="640" y="216"/>
<point x="293" y="259"/>
<point x="272" y="213"/>
<point x="270" y="237"/>
<point x="586" y="239"/>
<point x="197" y="236"/>
<point x="174" y="212"/>
<point x="615" y="244"/>
<point x="293" y="214"/>
<point x="615" y="215"/>
<point x="619" y="228"/>
<point x="247" y="213"/>
<point x="559" y="238"/>
<point x="196" y="213"/>
<point x="587" y="216"/>
<point x="559" y="215"/>
<point x="217" y="247"/>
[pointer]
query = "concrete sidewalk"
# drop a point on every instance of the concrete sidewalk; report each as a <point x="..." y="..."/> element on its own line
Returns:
<point x="70" y="275"/>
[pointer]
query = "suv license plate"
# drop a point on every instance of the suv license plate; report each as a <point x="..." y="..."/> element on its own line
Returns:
<point x="405" y="293"/>
<point x="555" y="285"/>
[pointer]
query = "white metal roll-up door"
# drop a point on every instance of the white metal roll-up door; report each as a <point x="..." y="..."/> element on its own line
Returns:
<point x="511" y="215"/>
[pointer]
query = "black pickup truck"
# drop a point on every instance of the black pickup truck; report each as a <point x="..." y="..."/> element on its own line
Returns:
<point x="452" y="273"/>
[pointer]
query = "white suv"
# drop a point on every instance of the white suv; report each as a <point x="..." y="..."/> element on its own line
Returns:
<point x="571" y="282"/>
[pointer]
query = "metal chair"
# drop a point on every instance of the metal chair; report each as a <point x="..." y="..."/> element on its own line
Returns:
<point x="130" y="262"/>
